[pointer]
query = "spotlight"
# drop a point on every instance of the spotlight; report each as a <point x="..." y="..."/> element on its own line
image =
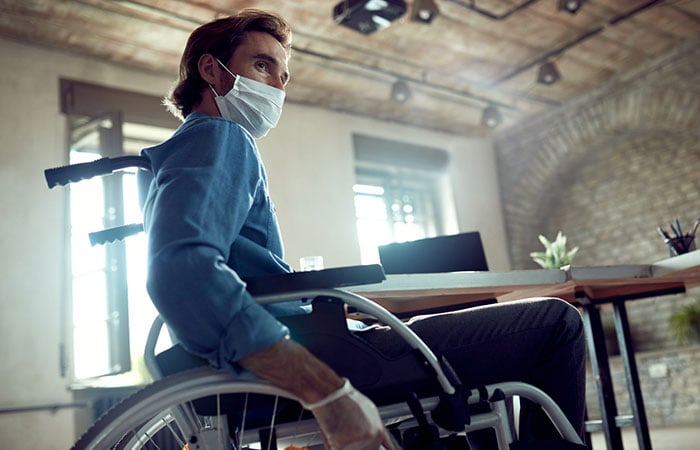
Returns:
<point x="548" y="74"/>
<point x="400" y="91"/>
<point x="424" y="11"/>
<point x="491" y="117"/>
<point x="368" y="16"/>
<point x="570" y="6"/>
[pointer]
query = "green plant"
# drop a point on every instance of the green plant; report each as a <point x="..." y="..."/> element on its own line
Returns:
<point x="685" y="323"/>
<point x="555" y="254"/>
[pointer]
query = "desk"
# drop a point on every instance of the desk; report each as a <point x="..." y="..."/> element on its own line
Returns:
<point x="587" y="287"/>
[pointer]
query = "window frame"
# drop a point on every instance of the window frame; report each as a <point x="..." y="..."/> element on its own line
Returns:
<point x="397" y="182"/>
<point x="108" y="130"/>
<point x="83" y="103"/>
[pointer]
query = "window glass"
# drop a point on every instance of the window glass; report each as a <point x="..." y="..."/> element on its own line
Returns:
<point x="92" y="319"/>
<point x="394" y="207"/>
<point x="111" y="311"/>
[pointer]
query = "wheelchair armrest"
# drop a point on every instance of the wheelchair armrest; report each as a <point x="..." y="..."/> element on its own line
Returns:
<point x="318" y="279"/>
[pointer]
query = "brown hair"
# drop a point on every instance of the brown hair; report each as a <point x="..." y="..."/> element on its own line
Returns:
<point x="219" y="38"/>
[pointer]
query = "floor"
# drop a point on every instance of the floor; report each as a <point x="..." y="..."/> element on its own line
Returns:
<point x="672" y="438"/>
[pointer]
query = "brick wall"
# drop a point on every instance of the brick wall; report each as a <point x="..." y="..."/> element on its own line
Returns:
<point x="584" y="167"/>
<point x="669" y="383"/>
<point x="606" y="170"/>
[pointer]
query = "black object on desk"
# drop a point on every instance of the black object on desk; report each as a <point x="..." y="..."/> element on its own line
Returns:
<point x="454" y="253"/>
<point x="462" y="252"/>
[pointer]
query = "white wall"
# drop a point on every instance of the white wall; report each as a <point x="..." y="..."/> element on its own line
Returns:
<point x="477" y="196"/>
<point x="309" y="159"/>
<point x="309" y="162"/>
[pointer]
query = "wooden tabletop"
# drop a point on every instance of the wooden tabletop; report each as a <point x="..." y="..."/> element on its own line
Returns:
<point x="599" y="284"/>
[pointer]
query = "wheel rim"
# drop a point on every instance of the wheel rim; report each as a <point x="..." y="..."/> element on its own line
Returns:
<point x="135" y="424"/>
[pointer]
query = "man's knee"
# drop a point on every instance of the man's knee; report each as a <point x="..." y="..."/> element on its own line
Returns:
<point x="565" y="314"/>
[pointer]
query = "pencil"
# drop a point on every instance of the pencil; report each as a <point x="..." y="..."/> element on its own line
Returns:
<point x="674" y="230"/>
<point x="663" y="233"/>
<point x="695" y="227"/>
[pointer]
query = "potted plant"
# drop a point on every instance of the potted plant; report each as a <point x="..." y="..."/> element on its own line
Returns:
<point x="685" y="323"/>
<point x="555" y="255"/>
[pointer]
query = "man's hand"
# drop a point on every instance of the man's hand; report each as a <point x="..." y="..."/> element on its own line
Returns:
<point x="351" y="422"/>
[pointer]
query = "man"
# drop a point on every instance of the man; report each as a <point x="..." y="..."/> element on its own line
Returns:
<point x="210" y="223"/>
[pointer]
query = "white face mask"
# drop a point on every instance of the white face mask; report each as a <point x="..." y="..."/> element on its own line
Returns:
<point x="253" y="105"/>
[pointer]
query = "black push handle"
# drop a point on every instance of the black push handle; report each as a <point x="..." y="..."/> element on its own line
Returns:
<point x="83" y="171"/>
<point x="114" y="234"/>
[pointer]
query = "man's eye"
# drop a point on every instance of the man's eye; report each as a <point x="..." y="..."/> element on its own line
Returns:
<point x="262" y="65"/>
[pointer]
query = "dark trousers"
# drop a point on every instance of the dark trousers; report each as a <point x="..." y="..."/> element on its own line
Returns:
<point x="538" y="341"/>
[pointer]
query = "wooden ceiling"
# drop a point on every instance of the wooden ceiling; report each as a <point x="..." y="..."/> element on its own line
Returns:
<point x="475" y="53"/>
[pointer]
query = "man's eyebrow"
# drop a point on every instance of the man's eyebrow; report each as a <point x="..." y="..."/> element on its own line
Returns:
<point x="273" y="60"/>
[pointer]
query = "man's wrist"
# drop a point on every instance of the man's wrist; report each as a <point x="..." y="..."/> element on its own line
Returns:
<point x="289" y="365"/>
<point x="345" y="390"/>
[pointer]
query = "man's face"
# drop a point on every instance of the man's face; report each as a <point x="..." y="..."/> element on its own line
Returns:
<point x="262" y="58"/>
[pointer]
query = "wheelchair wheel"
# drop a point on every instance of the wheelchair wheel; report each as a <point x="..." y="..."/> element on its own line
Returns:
<point x="204" y="409"/>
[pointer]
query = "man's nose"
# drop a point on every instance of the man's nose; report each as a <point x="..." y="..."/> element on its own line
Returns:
<point x="278" y="82"/>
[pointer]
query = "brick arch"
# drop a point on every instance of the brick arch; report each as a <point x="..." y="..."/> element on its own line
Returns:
<point x="539" y="157"/>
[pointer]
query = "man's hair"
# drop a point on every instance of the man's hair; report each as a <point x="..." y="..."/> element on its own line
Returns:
<point x="219" y="38"/>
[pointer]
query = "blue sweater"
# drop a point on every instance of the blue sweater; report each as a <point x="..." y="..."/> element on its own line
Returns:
<point x="210" y="222"/>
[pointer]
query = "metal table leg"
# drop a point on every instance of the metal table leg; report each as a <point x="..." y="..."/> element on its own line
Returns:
<point x="595" y="340"/>
<point x="622" y="329"/>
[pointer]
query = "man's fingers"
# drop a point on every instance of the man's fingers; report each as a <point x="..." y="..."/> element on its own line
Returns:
<point x="388" y="442"/>
<point x="367" y="444"/>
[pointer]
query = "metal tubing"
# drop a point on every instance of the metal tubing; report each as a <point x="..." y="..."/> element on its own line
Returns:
<point x="624" y="339"/>
<point x="595" y="340"/>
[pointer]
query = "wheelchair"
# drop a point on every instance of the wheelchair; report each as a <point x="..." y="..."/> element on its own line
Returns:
<point x="190" y="405"/>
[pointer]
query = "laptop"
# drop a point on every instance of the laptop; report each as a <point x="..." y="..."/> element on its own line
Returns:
<point x="455" y="253"/>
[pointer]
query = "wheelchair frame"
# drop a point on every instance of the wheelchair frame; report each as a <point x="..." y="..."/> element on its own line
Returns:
<point x="166" y="403"/>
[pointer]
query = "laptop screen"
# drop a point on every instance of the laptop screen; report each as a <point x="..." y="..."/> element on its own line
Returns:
<point x="455" y="253"/>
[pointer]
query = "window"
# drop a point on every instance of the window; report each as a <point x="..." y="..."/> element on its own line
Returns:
<point x="108" y="281"/>
<point x="393" y="209"/>
<point x="110" y="311"/>
<point x="397" y="193"/>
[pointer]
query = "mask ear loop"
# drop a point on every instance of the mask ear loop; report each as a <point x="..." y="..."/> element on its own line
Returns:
<point x="235" y="77"/>
<point x="215" y="102"/>
<point x="214" y="90"/>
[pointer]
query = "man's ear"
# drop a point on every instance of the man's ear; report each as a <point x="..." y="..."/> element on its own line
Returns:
<point x="208" y="68"/>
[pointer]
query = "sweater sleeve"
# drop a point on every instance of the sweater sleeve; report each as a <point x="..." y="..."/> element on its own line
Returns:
<point x="206" y="180"/>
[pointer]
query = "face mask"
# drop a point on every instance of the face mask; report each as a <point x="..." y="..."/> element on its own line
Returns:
<point x="253" y="105"/>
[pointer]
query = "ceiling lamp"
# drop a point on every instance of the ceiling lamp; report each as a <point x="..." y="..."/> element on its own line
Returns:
<point x="491" y="117"/>
<point x="424" y="11"/>
<point x="368" y="16"/>
<point x="570" y="6"/>
<point x="548" y="74"/>
<point x="400" y="91"/>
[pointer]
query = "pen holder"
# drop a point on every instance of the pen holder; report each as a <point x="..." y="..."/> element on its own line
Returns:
<point x="680" y="245"/>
